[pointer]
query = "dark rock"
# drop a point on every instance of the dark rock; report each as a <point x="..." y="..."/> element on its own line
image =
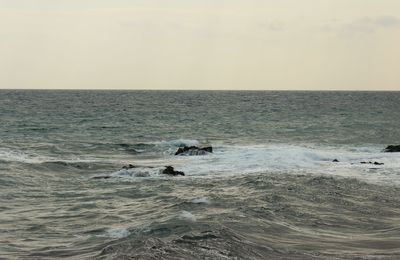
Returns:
<point x="375" y="163"/>
<point x="336" y="160"/>
<point x="194" y="150"/>
<point x="392" y="149"/>
<point x="169" y="170"/>
<point x="129" y="166"/>
<point x="101" y="177"/>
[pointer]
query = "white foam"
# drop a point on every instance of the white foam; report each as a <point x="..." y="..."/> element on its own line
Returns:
<point x="10" y="155"/>
<point x="277" y="158"/>
<point x="186" y="215"/>
<point x="250" y="159"/>
<point x="231" y="160"/>
<point x="170" y="146"/>
<point x="17" y="156"/>
<point x="118" y="233"/>
<point x="136" y="172"/>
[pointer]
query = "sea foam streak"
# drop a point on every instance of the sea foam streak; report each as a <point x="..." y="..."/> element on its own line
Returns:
<point x="118" y="233"/>
<point x="136" y="172"/>
<point x="29" y="157"/>
<point x="17" y="156"/>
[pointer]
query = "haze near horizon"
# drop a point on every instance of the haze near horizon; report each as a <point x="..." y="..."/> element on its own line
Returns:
<point x="236" y="44"/>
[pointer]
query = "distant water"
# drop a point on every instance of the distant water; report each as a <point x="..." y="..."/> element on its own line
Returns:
<point x="269" y="190"/>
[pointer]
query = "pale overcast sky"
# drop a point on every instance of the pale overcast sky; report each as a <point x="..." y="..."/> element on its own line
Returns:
<point x="207" y="44"/>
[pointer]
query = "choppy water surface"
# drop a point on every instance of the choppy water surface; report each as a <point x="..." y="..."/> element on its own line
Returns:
<point x="269" y="190"/>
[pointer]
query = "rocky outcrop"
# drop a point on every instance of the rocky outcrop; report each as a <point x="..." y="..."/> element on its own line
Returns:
<point x="169" y="170"/>
<point x="194" y="150"/>
<point x="392" y="149"/>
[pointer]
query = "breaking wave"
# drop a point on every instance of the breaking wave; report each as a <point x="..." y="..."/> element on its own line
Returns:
<point x="9" y="155"/>
<point x="276" y="158"/>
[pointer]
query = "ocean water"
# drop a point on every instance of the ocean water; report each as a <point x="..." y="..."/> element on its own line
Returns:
<point x="269" y="191"/>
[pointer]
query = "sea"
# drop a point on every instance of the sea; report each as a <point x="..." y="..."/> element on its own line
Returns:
<point x="269" y="190"/>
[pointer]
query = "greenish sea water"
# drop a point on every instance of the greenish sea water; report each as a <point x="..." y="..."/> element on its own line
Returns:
<point x="269" y="190"/>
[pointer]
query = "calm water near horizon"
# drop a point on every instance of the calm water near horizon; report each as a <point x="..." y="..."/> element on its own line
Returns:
<point x="269" y="189"/>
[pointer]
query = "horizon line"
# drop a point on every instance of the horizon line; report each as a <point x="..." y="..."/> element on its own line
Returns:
<point x="216" y="90"/>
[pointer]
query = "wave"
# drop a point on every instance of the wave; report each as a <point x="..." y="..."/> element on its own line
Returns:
<point x="177" y="143"/>
<point x="290" y="158"/>
<point x="130" y="148"/>
<point x="53" y="163"/>
<point x="82" y="165"/>
<point x="117" y="233"/>
<point x="186" y="215"/>
<point x="9" y="155"/>
<point x="143" y="147"/>
<point x="277" y="158"/>
<point x="231" y="160"/>
<point x="95" y="150"/>
<point x="202" y="200"/>
<point x="139" y="172"/>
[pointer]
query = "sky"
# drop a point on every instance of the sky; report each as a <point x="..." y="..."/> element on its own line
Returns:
<point x="207" y="44"/>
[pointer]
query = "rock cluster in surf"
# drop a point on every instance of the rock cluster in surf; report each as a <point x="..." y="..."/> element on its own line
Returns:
<point x="388" y="149"/>
<point x="194" y="150"/>
<point x="198" y="151"/>
<point x="169" y="170"/>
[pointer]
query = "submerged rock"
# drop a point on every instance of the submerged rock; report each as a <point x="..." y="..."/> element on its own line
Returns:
<point x="169" y="170"/>
<point x="129" y="166"/>
<point x="101" y="177"/>
<point x="374" y="163"/>
<point x="194" y="150"/>
<point x="392" y="149"/>
<point x="336" y="160"/>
